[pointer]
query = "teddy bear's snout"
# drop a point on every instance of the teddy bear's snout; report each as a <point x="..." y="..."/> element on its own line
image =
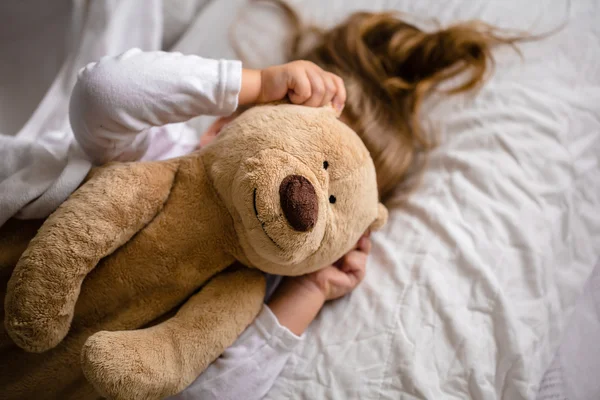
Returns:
<point x="299" y="202"/>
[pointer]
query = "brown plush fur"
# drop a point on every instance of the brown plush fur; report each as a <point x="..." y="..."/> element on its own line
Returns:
<point x="138" y="240"/>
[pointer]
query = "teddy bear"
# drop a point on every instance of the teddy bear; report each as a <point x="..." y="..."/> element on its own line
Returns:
<point x="129" y="282"/>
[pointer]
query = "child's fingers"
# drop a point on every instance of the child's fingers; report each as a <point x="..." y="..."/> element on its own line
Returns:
<point x="364" y="245"/>
<point x="339" y="99"/>
<point x="317" y="89"/>
<point x="330" y="89"/>
<point x="355" y="266"/>
<point x="354" y="261"/>
<point x="301" y="89"/>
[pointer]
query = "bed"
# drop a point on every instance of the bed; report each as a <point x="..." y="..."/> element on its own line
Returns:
<point x="471" y="285"/>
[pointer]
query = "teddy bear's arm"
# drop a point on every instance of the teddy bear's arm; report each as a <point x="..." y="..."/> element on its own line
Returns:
<point x="162" y="360"/>
<point x="98" y="218"/>
<point x="14" y="237"/>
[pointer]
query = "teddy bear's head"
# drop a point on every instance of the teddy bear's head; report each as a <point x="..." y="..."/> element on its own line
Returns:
<point x="299" y="184"/>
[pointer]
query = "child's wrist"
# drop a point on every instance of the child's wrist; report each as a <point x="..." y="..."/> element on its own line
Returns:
<point x="295" y="305"/>
<point x="251" y="86"/>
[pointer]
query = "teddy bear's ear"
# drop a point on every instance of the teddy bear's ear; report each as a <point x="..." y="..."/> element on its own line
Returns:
<point x="382" y="217"/>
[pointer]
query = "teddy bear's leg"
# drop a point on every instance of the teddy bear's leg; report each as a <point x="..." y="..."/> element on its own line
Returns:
<point x="95" y="220"/>
<point x="162" y="360"/>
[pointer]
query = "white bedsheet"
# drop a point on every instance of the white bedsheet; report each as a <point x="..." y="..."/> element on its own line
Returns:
<point x="469" y="288"/>
<point x="573" y="374"/>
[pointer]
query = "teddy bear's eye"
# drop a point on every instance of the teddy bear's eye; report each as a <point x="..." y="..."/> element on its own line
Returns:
<point x="332" y="199"/>
<point x="325" y="164"/>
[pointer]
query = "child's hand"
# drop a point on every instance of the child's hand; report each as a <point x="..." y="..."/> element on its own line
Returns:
<point x="344" y="276"/>
<point x="302" y="81"/>
<point x="298" y="300"/>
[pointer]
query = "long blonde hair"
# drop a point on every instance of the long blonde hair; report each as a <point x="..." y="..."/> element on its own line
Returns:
<point x="389" y="67"/>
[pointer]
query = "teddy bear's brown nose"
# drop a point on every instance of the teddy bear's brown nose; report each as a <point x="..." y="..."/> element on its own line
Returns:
<point x="299" y="202"/>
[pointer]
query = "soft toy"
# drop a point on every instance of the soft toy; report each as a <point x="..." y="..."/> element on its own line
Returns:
<point x="284" y="189"/>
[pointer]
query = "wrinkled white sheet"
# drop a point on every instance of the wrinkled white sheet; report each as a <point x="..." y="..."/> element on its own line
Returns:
<point x="470" y="286"/>
<point x="573" y="374"/>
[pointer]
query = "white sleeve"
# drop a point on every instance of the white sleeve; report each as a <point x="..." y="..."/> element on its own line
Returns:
<point x="118" y="100"/>
<point x="247" y="369"/>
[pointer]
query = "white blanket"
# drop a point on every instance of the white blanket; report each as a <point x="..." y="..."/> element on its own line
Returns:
<point x="469" y="287"/>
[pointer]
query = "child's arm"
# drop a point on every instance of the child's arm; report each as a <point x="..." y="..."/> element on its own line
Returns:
<point x="248" y="369"/>
<point x="118" y="100"/>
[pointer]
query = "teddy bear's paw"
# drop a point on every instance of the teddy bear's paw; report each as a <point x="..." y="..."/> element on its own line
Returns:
<point x="126" y="366"/>
<point x="36" y="335"/>
<point x="38" y="314"/>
